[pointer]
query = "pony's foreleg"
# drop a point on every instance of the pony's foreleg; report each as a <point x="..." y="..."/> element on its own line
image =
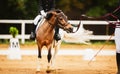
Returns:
<point x="49" y="58"/>
<point x="53" y="58"/>
<point x="57" y="46"/>
<point x="39" y="59"/>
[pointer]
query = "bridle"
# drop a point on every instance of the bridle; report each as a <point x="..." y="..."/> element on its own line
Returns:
<point x="57" y="18"/>
<point x="60" y="24"/>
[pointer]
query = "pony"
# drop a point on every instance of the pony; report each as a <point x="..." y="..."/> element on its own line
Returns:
<point x="45" y="34"/>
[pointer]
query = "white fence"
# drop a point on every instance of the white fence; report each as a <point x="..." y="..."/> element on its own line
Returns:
<point x="24" y="36"/>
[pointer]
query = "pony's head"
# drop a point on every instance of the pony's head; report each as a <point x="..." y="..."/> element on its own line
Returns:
<point x="58" y="18"/>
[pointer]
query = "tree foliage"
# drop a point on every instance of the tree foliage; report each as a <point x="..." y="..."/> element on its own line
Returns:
<point x="28" y="9"/>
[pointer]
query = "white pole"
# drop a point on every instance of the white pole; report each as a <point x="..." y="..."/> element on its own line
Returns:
<point x="23" y="32"/>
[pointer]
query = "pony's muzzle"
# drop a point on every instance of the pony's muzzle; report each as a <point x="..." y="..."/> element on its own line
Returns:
<point x="70" y="30"/>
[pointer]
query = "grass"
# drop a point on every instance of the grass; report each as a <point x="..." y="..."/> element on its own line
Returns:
<point x="99" y="42"/>
<point x="95" y="42"/>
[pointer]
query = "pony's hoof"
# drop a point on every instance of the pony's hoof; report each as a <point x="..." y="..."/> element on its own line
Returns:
<point x="39" y="72"/>
<point x="48" y="71"/>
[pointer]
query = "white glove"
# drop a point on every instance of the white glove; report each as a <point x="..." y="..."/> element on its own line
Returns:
<point x="43" y="12"/>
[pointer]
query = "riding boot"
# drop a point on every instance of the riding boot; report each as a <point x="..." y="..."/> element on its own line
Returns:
<point x="33" y="34"/>
<point x="118" y="62"/>
<point x="57" y="35"/>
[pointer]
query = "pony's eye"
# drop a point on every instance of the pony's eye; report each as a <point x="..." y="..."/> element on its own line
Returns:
<point x="60" y="18"/>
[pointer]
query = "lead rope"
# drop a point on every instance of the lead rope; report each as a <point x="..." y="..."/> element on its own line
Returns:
<point x="100" y="49"/>
<point x="110" y="14"/>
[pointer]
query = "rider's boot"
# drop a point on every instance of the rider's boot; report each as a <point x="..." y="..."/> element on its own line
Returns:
<point x="118" y="62"/>
<point x="33" y="34"/>
<point x="57" y="35"/>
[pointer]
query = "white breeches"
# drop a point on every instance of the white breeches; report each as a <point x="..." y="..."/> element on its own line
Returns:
<point x="117" y="39"/>
<point x="37" y="18"/>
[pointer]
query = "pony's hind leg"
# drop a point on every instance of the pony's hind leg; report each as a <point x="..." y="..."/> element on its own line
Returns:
<point x="39" y="59"/>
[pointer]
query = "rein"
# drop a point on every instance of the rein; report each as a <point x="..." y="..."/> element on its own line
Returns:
<point x="77" y="27"/>
<point x="50" y="24"/>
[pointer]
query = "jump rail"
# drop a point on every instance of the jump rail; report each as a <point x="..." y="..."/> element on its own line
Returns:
<point x="24" y="36"/>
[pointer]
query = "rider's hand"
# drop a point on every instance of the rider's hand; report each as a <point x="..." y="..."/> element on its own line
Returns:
<point x="43" y="12"/>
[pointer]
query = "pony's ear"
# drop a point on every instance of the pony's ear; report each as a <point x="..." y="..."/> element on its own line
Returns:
<point x="58" y="10"/>
<point x="49" y="15"/>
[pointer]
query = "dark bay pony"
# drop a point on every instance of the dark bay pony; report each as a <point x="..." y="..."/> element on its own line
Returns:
<point x="45" y="34"/>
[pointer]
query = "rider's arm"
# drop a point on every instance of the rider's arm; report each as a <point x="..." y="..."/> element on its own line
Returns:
<point x="42" y="12"/>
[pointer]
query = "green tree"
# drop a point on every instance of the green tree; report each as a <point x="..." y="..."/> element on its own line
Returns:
<point x="18" y="9"/>
<point x="28" y="9"/>
<point x="100" y="7"/>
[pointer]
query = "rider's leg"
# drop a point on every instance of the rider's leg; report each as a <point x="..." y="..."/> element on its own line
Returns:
<point x="36" y="21"/>
<point x="33" y="34"/>
<point x="57" y="35"/>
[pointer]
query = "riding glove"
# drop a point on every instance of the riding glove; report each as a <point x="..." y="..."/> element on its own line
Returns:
<point x="43" y="12"/>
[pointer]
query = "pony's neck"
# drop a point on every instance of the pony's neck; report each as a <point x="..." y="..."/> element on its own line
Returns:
<point x="48" y="26"/>
<point x="52" y="21"/>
